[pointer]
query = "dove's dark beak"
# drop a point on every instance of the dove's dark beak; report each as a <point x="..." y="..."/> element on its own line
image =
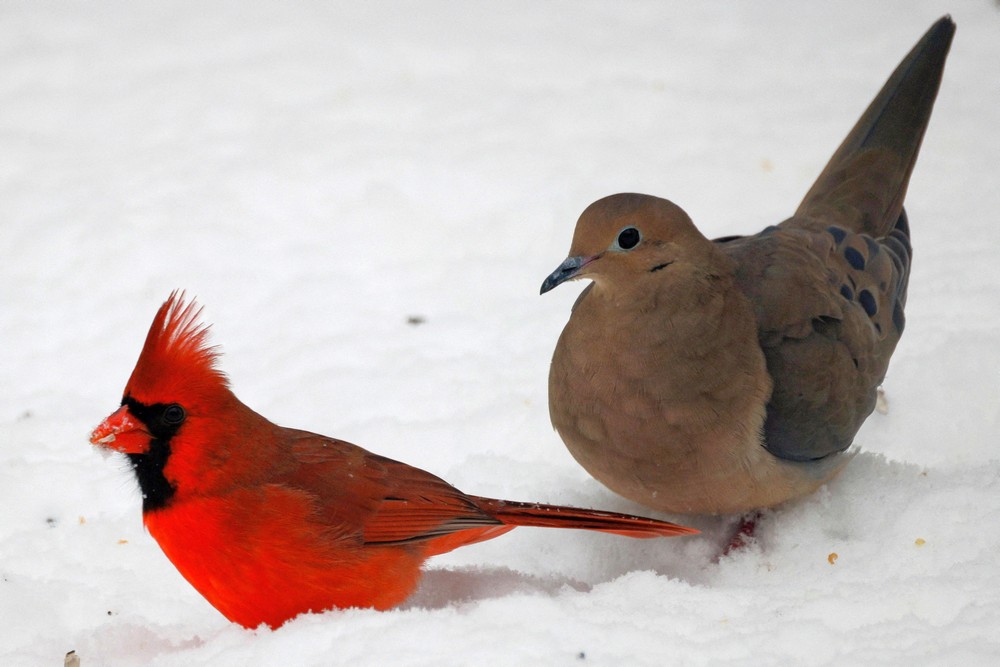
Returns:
<point x="568" y="270"/>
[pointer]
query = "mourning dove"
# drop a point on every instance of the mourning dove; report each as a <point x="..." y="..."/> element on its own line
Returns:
<point x="698" y="376"/>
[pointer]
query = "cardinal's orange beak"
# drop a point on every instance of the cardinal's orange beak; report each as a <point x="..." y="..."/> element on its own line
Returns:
<point x="122" y="432"/>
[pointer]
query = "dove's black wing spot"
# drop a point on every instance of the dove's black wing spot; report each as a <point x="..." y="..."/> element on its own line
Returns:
<point x="854" y="258"/>
<point x="837" y="233"/>
<point x="867" y="301"/>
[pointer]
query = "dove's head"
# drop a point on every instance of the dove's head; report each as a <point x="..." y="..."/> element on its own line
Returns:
<point x="621" y="238"/>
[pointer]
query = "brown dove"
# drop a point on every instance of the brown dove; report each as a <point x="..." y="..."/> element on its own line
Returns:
<point x="724" y="376"/>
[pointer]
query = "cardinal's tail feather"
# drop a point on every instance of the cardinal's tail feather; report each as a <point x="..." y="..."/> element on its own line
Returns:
<point x="513" y="513"/>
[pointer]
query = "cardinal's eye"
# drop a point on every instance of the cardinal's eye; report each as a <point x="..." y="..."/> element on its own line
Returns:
<point x="173" y="414"/>
<point x="628" y="238"/>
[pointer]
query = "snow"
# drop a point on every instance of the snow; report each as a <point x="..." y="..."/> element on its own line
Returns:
<point x="318" y="173"/>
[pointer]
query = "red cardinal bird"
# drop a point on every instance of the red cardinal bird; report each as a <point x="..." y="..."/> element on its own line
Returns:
<point x="269" y="522"/>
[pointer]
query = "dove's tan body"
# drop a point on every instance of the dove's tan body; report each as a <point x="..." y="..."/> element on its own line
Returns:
<point x="723" y="376"/>
<point x="664" y="401"/>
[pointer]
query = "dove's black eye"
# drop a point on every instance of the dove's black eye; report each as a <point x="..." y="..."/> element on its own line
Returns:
<point x="628" y="238"/>
<point x="173" y="414"/>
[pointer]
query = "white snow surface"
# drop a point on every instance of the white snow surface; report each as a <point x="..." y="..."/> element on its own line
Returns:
<point x="317" y="173"/>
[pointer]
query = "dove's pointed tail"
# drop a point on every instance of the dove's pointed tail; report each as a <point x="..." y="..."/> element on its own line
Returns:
<point x="864" y="184"/>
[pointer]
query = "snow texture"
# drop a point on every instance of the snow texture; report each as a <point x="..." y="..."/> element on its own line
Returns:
<point x="366" y="198"/>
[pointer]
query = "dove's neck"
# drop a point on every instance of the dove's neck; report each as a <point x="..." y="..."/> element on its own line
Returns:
<point x="685" y="340"/>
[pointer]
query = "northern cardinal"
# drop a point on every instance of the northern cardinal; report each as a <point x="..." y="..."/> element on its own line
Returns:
<point x="269" y="522"/>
